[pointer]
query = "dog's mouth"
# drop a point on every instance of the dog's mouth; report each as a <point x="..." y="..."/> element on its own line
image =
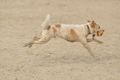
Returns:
<point x="99" y="33"/>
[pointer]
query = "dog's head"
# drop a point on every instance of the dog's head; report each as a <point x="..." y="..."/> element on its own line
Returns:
<point x="95" y="28"/>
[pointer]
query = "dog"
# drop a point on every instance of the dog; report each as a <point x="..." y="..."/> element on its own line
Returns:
<point x="69" y="32"/>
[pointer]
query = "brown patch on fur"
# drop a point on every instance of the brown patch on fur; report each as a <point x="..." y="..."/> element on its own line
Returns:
<point x="58" y="25"/>
<point x="92" y="25"/>
<point x="74" y="35"/>
<point x="54" y="30"/>
<point x="48" y="28"/>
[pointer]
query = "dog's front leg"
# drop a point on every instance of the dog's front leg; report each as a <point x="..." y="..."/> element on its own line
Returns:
<point x="89" y="40"/>
<point x="89" y="49"/>
<point x="94" y="39"/>
<point x="37" y="40"/>
<point x="100" y="42"/>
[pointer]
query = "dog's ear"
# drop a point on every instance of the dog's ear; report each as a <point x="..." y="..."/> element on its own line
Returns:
<point x="89" y="21"/>
<point x="93" y="22"/>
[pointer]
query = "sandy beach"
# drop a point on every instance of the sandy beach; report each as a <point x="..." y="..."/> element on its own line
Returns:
<point x="20" y="21"/>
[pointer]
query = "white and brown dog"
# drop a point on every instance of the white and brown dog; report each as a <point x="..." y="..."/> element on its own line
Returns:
<point x="69" y="32"/>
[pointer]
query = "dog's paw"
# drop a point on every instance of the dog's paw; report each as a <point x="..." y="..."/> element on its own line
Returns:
<point x="100" y="42"/>
<point x="97" y="59"/>
<point x="25" y="45"/>
<point x="28" y="44"/>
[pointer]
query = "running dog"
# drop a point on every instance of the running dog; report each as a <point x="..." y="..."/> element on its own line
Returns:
<point x="69" y="32"/>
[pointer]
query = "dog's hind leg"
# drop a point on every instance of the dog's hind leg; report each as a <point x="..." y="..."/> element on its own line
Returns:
<point x="41" y="41"/>
<point x="31" y="42"/>
<point x="37" y="40"/>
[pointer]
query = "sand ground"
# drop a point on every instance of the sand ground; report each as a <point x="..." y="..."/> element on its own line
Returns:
<point x="58" y="59"/>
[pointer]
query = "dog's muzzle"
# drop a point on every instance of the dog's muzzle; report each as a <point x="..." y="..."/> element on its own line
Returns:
<point x="100" y="33"/>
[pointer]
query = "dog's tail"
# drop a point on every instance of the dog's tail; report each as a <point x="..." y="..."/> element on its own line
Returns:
<point x="45" y="24"/>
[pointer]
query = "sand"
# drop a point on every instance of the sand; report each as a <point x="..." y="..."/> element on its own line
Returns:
<point x="58" y="59"/>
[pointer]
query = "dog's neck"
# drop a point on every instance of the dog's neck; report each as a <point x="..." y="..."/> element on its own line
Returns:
<point x="89" y="29"/>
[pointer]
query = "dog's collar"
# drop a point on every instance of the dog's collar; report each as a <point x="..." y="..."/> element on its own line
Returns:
<point x="89" y="32"/>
